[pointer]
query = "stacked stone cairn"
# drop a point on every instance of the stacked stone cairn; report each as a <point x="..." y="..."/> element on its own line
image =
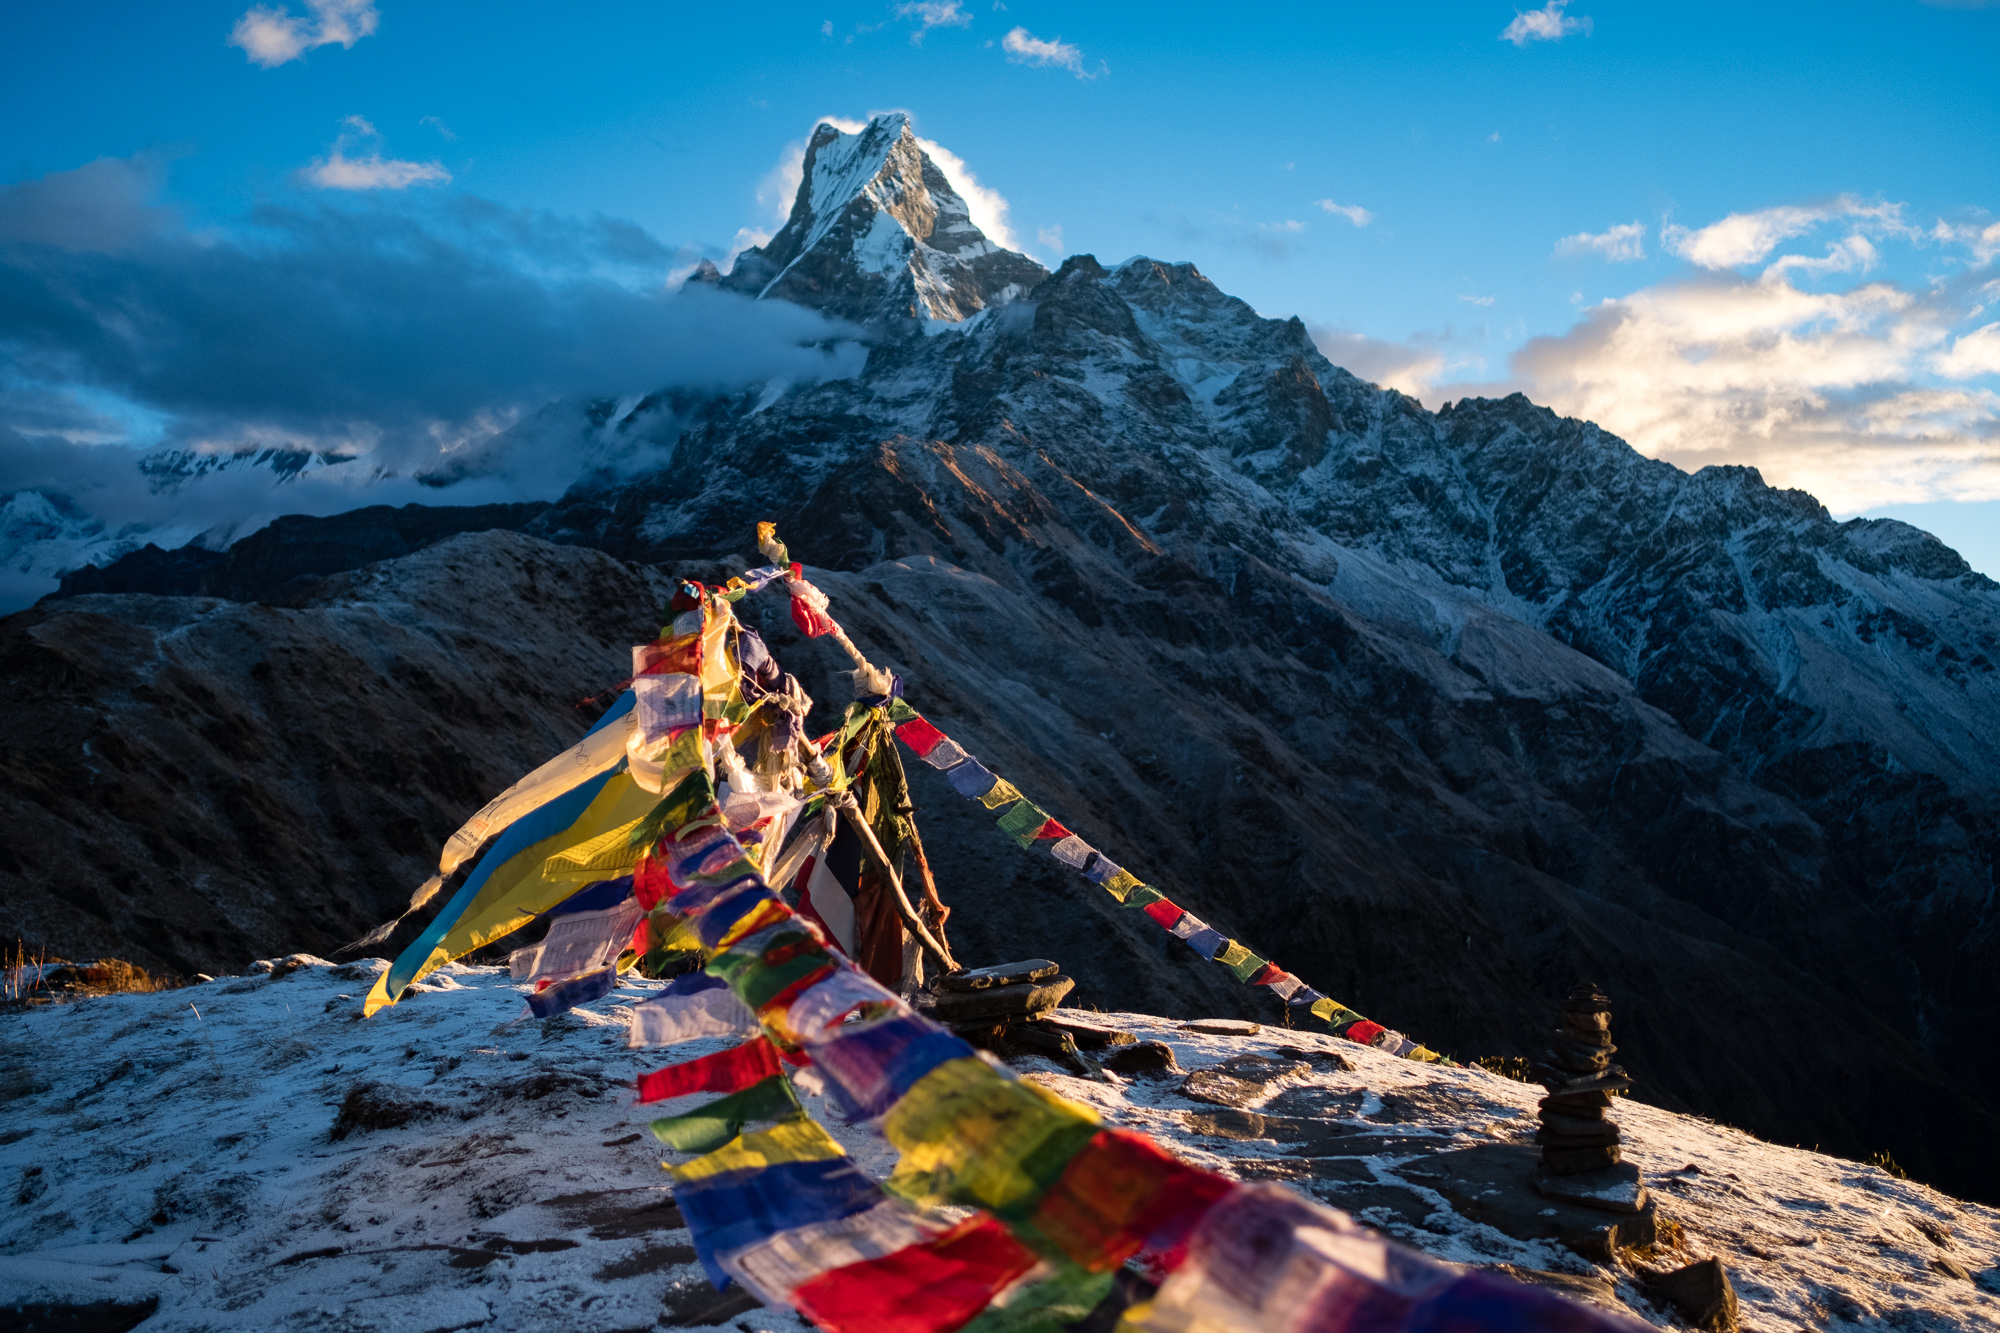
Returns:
<point x="1575" y="1135"/>
<point x="1011" y="1007"/>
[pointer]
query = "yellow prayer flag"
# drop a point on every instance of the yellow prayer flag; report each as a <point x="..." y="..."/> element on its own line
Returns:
<point x="1121" y="884"/>
<point x="1003" y="792"/>
<point x="606" y="856"/>
<point x="797" y="1140"/>
<point x="970" y="1134"/>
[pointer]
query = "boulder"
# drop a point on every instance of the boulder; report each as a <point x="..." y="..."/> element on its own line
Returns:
<point x="1018" y="999"/>
<point x="1142" y="1059"/>
<point x="1702" y="1294"/>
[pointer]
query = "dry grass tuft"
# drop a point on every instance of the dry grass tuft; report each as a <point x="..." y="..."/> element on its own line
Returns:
<point x="39" y="979"/>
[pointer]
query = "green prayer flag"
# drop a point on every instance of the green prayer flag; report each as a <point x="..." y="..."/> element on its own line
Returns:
<point x="1241" y="961"/>
<point x="1061" y="1301"/>
<point x="690" y="797"/>
<point x="723" y="1119"/>
<point x="1022" y="820"/>
<point x="901" y="712"/>
<point x="1143" y="895"/>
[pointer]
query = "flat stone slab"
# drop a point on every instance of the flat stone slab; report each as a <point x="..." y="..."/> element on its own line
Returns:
<point x="1240" y="1080"/>
<point x="1491" y="1184"/>
<point x="1222" y="1027"/>
<point x="1020" y="999"/>
<point x="1086" y="1034"/>
<point x="1000" y="974"/>
<point x="1616" y="1189"/>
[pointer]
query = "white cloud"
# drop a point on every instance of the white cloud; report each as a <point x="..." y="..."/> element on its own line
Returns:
<point x="1626" y="241"/>
<point x="1975" y="353"/>
<point x="933" y="14"/>
<point x="437" y="124"/>
<point x="1024" y="48"/>
<point x="1827" y="391"/>
<point x="988" y="207"/>
<point x="1746" y="238"/>
<point x="1392" y="365"/>
<point x="1289" y="224"/>
<point x="1852" y="255"/>
<point x="1547" y="24"/>
<point x="1050" y="239"/>
<point x="1479" y="300"/>
<point x="1354" y="213"/>
<point x="1984" y="242"/>
<point x="338" y="171"/>
<point x="826" y="28"/>
<point x="271" y="36"/>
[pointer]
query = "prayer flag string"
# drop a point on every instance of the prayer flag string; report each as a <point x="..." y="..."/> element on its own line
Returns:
<point x="1060" y="1204"/>
<point x="1029" y="824"/>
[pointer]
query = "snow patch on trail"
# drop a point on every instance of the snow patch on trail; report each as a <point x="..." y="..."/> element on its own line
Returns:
<point x="493" y="1173"/>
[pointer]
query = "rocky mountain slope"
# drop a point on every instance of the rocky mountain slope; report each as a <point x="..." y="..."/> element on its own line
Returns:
<point x="252" y="1154"/>
<point x="186" y="778"/>
<point x="1439" y="710"/>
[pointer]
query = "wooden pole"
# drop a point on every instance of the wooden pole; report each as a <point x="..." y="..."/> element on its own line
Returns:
<point x="845" y="801"/>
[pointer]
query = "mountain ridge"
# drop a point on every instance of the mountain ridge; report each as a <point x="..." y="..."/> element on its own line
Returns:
<point x="1359" y="682"/>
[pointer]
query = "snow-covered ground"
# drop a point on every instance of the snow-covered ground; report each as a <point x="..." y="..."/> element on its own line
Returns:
<point x="180" y="1146"/>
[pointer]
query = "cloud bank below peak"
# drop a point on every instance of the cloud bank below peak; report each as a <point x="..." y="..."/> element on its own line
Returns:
<point x="122" y="330"/>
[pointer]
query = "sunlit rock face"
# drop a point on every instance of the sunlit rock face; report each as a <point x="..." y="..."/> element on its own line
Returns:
<point x="877" y="232"/>
<point x="1439" y="710"/>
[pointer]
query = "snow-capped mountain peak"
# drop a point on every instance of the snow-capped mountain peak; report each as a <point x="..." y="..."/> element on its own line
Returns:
<point x="877" y="231"/>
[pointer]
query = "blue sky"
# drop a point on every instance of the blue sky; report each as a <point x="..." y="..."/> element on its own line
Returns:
<point x="1738" y="233"/>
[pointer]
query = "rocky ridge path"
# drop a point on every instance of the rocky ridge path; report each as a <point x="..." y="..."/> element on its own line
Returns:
<point x="251" y="1153"/>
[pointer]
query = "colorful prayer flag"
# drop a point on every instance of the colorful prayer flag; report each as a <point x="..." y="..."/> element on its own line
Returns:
<point x="771" y="1269"/>
<point x="870" y="1067"/>
<point x="971" y="779"/>
<point x="920" y="736"/>
<point x="759" y="1184"/>
<point x="933" y="1287"/>
<point x="695" y="1005"/>
<point x="999" y="794"/>
<point x="1022" y="821"/>
<point x="970" y="1134"/>
<point x="832" y="999"/>
<point x="709" y="1127"/>
<point x="945" y="754"/>
<point x="724" y="1071"/>
<point x="568" y="994"/>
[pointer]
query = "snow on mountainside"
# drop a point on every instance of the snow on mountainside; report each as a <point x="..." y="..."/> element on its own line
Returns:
<point x="252" y="1154"/>
<point x="878" y="232"/>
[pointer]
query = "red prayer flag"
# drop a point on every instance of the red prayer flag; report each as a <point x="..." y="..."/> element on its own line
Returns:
<point x="725" y="1071"/>
<point x="1051" y="829"/>
<point x="650" y="883"/>
<point x="782" y="1001"/>
<point x="920" y="736"/>
<point x="928" y="1288"/>
<point x="1163" y="912"/>
<point x="811" y="621"/>
<point x="1124" y="1193"/>
<point x="1271" y="973"/>
<point x="1364" y="1031"/>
